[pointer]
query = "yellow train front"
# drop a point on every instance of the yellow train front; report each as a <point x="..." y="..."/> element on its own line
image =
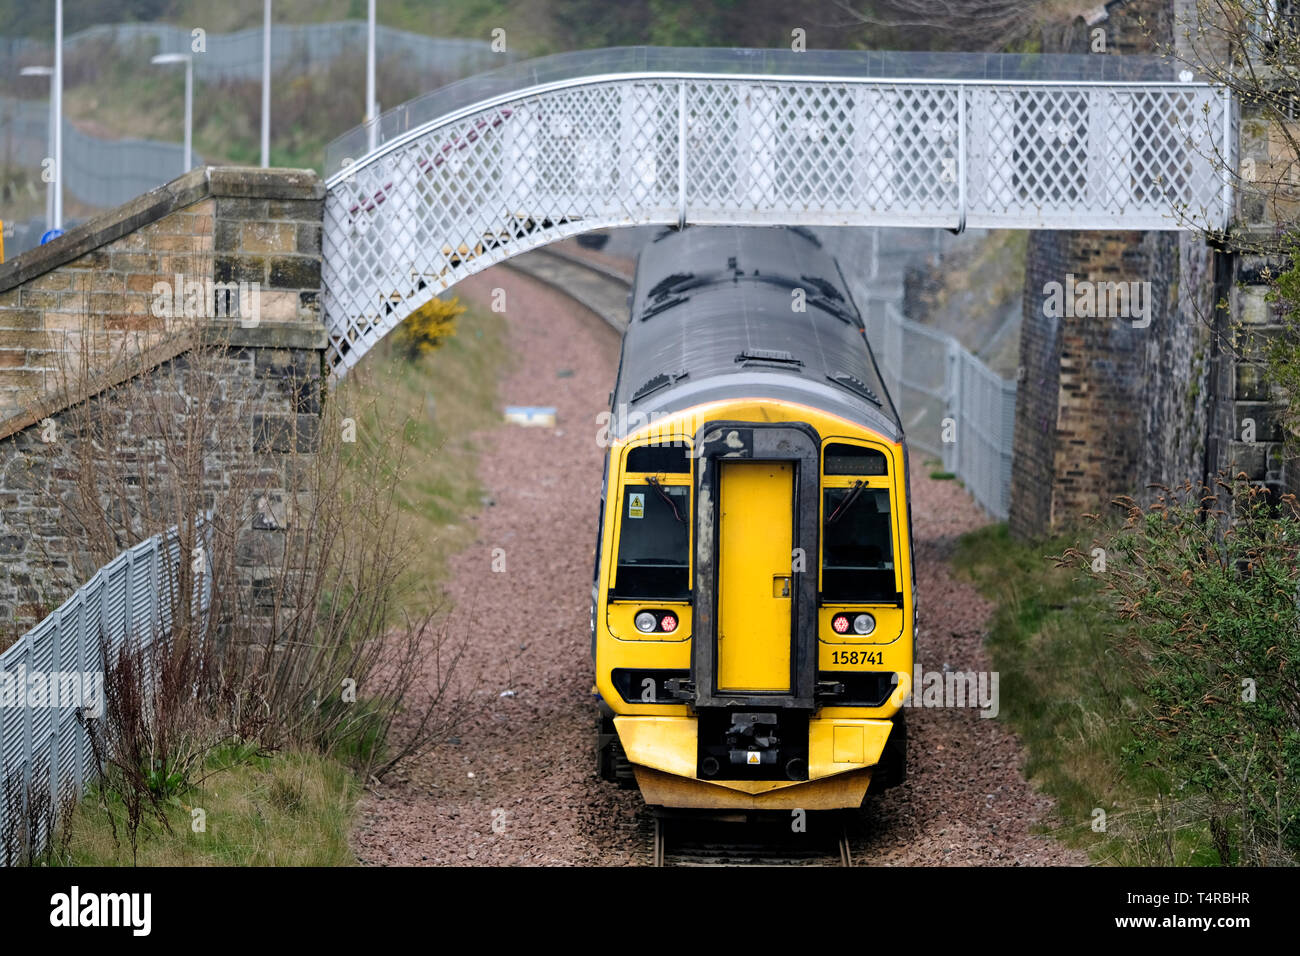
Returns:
<point x="752" y="604"/>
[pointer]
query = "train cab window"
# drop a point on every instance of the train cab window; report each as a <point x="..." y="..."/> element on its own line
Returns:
<point x="659" y="458"/>
<point x="654" y="542"/>
<point x="854" y="460"/>
<point x="857" y="545"/>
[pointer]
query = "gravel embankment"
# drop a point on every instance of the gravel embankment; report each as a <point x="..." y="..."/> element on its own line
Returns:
<point x="965" y="801"/>
<point x="526" y="746"/>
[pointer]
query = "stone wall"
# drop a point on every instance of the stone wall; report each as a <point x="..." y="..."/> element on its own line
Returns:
<point x="89" y="341"/>
<point x="1103" y="411"/>
<point x="1251" y="433"/>
<point x="44" y="553"/>
<point x="1108" y="405"/>
<point x="1033" y="466"/>
<point x="1178" y="399"/>
<point x="119" y="286"/>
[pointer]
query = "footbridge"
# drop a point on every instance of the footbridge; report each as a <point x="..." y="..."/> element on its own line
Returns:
<point x="471" y="175"/>
<point x="458" y="180"/>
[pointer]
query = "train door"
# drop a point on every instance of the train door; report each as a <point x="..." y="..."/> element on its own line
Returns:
<point x="755" y="540"/>
<point x="754" y="604"/>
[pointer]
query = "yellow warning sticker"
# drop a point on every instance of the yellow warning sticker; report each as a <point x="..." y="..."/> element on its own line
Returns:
<point x="636" y="506"/>
<point x="753" y="757"/>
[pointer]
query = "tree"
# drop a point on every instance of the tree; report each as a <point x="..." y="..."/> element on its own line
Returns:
<point x="985" y="25"/>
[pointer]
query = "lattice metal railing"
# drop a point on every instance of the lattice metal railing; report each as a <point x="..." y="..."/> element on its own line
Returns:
<point x="488" y="180"/>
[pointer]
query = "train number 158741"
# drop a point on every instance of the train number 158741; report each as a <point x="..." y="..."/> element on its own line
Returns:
<point x="857" y="657"/>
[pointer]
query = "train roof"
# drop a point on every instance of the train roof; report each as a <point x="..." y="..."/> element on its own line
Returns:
<point x="712" y="319"/>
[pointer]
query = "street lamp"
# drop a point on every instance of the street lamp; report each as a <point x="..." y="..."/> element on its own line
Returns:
<point x="55" y="218"/>
<point x="57" y="95"/>
<point x="49" y="186"/>
<point x="370" y="76"/>
<point x="266" y="84"/>
<point x="166" y="58"/>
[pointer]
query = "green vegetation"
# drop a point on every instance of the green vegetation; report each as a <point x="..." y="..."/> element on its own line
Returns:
<point x="439" y="400"/>
<point x="1215" y="632"/>
<point x="114" y="94"/>
<point x="533" y="27"/>
<point x="291" y="809"/>
<point x="117" y="94"/>
<point x="277" y="777"/>
<point x="1062" y="687"/>
<point x="1151" y="676"/>
<point x="1283" y="352"/>
<point x="536" y="27"/>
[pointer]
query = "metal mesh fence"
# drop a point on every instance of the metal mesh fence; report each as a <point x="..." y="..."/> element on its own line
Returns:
<point x="97" y="172"/>
<point x="238" y="55"/>
<point x="111" y="172"/>
<point x="103" y="173"/>
<point x="982" y="408"/>
<point x="48" y="678"/>
<point x="953" y="407"/>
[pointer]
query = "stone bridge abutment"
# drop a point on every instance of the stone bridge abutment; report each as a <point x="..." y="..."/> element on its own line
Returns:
<point x="98" y="334"/>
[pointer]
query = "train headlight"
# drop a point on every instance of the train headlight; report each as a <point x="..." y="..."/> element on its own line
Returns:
<point x="841" y="623"/>
<point x="864" y="624"/>
<point x="668" y="623"/>
<point x="645" y="622"/>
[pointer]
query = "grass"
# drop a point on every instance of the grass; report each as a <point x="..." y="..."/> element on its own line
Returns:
<point x="290" y="809"/>
<point x="1065" y="691"/>
<point x="439" y="401"/>
<point x="293" y="808"/>
<point x="113" y="96"/>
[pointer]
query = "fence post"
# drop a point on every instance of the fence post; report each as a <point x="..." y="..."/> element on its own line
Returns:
<point x="952" y="450"/>
<point x="128" y="614"/>
<point x="681" y="154"/>
<point x="1007" y="443"/>
<point x="51" y="691"/>
<point x="83" y="665"/>
<point x="28" y="731"/>
<point x="155" y="584"/>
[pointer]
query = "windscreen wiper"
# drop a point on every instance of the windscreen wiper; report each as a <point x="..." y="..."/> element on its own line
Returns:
<point x="847" y="503"/>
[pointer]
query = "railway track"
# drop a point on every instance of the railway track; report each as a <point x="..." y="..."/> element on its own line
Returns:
<point x="598" y="287"/>
<point x="682" y="840"/>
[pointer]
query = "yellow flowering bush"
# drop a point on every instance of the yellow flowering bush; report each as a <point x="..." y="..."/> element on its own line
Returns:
<point x="428" y="327"/>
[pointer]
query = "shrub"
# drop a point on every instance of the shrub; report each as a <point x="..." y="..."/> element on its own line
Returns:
<point x="428" y="327"/>
<point x="1213" y="640"/>
<point x="305" y="644"/>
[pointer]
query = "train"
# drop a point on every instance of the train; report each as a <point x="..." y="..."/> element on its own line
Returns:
<point x="752" y="609"/>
